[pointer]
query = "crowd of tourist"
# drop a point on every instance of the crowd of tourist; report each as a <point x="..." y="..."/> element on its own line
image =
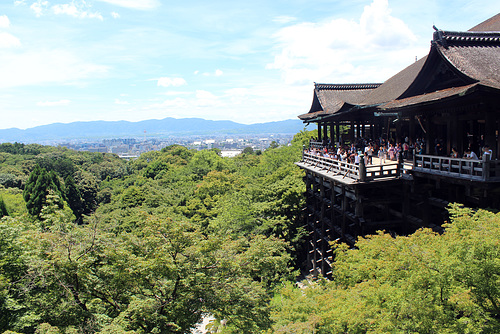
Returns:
<point x="367" y="149"/>
<point x="386" y="151"/>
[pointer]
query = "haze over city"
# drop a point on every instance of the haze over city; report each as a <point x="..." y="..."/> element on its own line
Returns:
<point x="249" y="62"/>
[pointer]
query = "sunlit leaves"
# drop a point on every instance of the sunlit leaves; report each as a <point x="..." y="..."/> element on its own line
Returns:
<point x="423" y="283"/>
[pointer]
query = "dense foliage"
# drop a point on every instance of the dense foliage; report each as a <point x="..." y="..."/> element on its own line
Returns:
<point x="423" y="283"/>
<point x="90" y="243"/>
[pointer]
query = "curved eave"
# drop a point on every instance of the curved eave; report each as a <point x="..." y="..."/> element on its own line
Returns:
<point x="323" y="115"/>
<point x="352" y="113"/>
<point x="430" y="98"/>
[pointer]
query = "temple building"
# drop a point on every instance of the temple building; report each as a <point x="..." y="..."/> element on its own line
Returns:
<point x="433" y="114"/>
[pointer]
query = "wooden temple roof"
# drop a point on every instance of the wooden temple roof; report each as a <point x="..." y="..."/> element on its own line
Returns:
<point x="329" y="99"/>
<point x="458" y="64"/>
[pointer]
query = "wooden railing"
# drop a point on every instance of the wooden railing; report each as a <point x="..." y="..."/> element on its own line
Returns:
<point x="361" y="172"/>
<point x="477" y="170"/>
<point x="319" y="145"/>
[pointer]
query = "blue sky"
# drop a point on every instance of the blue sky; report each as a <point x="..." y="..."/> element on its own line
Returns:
<point x="245" y="61"/>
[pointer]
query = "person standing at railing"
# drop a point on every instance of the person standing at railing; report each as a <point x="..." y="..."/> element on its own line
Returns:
<point x="356" y="158"/>
<point x="487" y="152"/>
<point x="382" y="154"/>
<point x="469" y="154"/>
<point x="454" y="153"/>
<point x="392" y="152"/>
<point x="369" y="153"/>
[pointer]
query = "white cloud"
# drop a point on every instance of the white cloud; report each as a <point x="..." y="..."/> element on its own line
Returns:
<point x="340" y="50"/>
<point x="117" y="101"/>
<point x="39" y="6"/>
<point x="115" y="15"/>
<point x="46" y="66"/>
<point x="284" y="19"/>
<point x="53" y="103"/>
<point x="75" y="10"/>
<point x="203" y="94"/>
<point x="172" y="93"/>
<point x="217" y="73"/>
<point x="167" y="82"/>
<point x="262" y="102"/>
<point x="4" y="21"/>
<point x="135" y="4"/>
<point x="8" y="41"/>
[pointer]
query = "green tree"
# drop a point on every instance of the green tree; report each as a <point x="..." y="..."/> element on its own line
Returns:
<point x="73" y="196"/>
<point x="88" y="186"/>
<point x="37" y="188"/>
<point x="3" y="208"/>
<point x="423" y="283"/>
<point x="12" y="268"/>
<point x="205" y="161"/>
<point x="247" y="150"/>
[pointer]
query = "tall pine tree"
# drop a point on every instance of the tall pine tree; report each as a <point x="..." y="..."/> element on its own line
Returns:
<point x="3" y="208"/>
<point x="37" y="188"/>
<point x="73" y="196"/>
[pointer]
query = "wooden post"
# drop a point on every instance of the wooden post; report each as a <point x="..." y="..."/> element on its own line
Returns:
<point x="337" y="132"/>
<point x="412" y="130"/>
<point x="399" y="169"/>
<point x="333" y="200"/>
<point x="332" y="134"/>
<point x="319" y="131"/>
<point x="486" y="168"/>
<point x="351" y="132"/>
<point x="406" y="207"/>
<point x="489" y="129"/>
<point x="359" y="209"/>
<point x="362" y="170"/>
<point x="497" y="153"/>
<point x="325" y="132"/>
<point x="429" y="136"/>
<point x="344" y="212"/>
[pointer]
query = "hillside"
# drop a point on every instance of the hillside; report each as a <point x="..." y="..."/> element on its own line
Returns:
<point x="160" y="128"/>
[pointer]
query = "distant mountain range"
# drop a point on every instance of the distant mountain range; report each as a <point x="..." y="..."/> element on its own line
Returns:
<point x="154" y="128"/>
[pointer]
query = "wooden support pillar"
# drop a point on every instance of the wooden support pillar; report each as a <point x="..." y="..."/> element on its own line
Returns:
<point x="337" y="132"/>
<point x="406" y="208"/>
<point x="333" y="199"/>
<point x="325" y="132"/>
<point x="429" y="138"/>
<point x="344" y="212"/>
<point x="308" y="181"/>
<point x="362" y="169"/>
<point x="399" y="133"/>
<point x="411" y="125"/>
<point x="359" y="209"/>
<point x="322" y="196"/>
<point x="332" y="134"/>
<point x="476" y="135"/>
<point x="490" y="132"/>
<point x="321" y="226"/>
<point x="497" y="153"/>
<point x="351" y="132"/>
<point x="363" y="129"/>
<point x="455" y="132"/>
<point x="319" y="132"/>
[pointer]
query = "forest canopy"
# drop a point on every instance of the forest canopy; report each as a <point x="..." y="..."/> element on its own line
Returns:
<point x="90" y="243"/>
